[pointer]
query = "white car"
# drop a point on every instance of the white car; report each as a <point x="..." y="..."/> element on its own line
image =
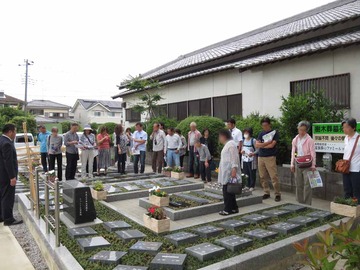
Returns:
<point x="20" y="140"/>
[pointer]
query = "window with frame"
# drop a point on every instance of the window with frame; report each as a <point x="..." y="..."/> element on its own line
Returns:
<point x="132" y="116"/>
<point x="161" y="110"/>
<point x="111" y="114"/>
<point x="200" y="107"/>
<point x="226" y="107"/>
<point x="336" y="88"/>
<point x="177" y="110"/>
<point x="97" y="113"/>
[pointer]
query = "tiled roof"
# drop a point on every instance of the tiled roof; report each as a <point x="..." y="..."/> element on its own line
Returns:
<point x="88" y="103"/>
<point x="40" y="103"/>
<point x="9" y="100"/>
<point x="326" y="15"/>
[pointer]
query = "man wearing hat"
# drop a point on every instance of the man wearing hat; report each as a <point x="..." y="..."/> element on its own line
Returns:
<point x="88" y="143"/>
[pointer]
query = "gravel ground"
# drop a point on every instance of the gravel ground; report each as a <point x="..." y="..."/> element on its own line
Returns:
<point x="28" y="244"/>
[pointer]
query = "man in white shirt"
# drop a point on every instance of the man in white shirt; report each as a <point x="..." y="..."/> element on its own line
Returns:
<point x="236" y="133"/>
<point x="172" y="148"/>
<point x="139" y="150"/>
<point x="158" y="138"/>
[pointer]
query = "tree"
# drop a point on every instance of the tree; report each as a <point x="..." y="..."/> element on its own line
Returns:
<point x="65" y="126"/>
<point x="149" y="99"/>
<point x="17" y="117"/>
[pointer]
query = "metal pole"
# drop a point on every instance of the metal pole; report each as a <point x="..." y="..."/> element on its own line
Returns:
<point x="57" y="212"/>
<point x="47" y="205"/>
<point x="26" y="83"/>
<point x="37" y="193"/>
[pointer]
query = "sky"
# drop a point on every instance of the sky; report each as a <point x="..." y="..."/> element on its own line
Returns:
<point x="83" y="49"/>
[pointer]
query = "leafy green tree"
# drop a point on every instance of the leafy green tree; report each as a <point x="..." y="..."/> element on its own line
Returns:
<point x="65" y="126"/>
<point x="30" y="124"/>
<point x="17" y="117"/>
<point x="110" y="126"/>
<point x="148" y="99"/>
<point x="94" y="126"/>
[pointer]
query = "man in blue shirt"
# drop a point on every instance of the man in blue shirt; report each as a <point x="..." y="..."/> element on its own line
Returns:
<point x="42" y="139"/>
<point x="139" y="149"/>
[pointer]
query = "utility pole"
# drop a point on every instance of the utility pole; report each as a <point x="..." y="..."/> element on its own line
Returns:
<point x="27" y="64"/>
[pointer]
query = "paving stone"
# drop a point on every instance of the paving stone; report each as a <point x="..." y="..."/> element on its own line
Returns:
<point x="181" y="238"/>
<point x="256" y="218"/>
<point x="234" y="242"/>
<point x="108" y="257"/>
<point x="111" y="226"/>
<point x="261" y="234"/>
<point x="276" y="213"/>
<point x="168" y="261"/>
<point x="193" y="198"/>
<point x="303" y="220"/>
<point x="320" y="214"/>
<point x="128" y="267"/>
<point x="208" y="231"/>
<point x="294" y="208"/>
<point x="285" y="227"/>
<point x="129" y="235"/>
<point x="209" y="194"/>
<point x="81" y="232"/>
<point x="234" y="224"/>
<point x="205" y="251"/>
<point x="87" y="244"/>
<point x="146" y="247"/>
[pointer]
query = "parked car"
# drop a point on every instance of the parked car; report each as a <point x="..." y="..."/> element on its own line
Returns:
<point x="20" y="140"/>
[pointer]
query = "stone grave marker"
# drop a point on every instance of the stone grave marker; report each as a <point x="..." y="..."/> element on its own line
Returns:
<point x="131" y="187"/>
<point x="261" y="234"/>
<point x="146" y="247"/>
<point x="208" y="231"/>
<point x="234" y="242"/>
<point x="234" y="224"/>
<point x="128" y="267"/>
<point x="320" y="214"/>
<point x="111" y="226"/>
<point x="303" y="220"/>
<point x="256" y="218"/>
<point x="168" y="261"/>
<point x="183" y="182"/>
<point x="129" y="235"/>
<point x="81" y="232"/>
<point x="205" y="251"/>
<point x="192" y="198"/>
<point x="167" y="184"/>
<point x="108" y="257"/>
<point x="276" y="213"/>
<point x="87" y="244"/>
<point x="294" y="208"/>
<point x="181" y="238"/>
<point x="210" y="195"/>
<point x="111" y="189"/>
<point x="285" y="227"/>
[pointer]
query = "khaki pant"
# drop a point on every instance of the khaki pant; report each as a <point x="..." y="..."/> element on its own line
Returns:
<point x="87" y="156"/>
<point x="303" y="188"/>
<point x="157" y="161"/>
<point x="268" y="168"/>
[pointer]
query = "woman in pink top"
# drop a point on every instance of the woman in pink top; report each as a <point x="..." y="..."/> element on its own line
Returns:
<point x="103" y="141"/>
<point x="303" y="145"/>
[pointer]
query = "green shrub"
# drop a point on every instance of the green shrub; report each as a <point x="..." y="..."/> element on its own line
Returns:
<point x="214" y="124"/>
<point x="65" y="126"/>
<point x="16" y="116"/>
<point x="110" y="126"/>
<point x="98" y="185"/>
<point x="30" y="123"/>
<point x="148" y="127"/>
<point x="94" y="126"/>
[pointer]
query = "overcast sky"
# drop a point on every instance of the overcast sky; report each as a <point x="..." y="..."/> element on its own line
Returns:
<point x="83" y="49"/>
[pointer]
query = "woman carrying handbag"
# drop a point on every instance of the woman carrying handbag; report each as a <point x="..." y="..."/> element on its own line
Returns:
<point x="303" y="160"/>
<point x="349" y="166"/>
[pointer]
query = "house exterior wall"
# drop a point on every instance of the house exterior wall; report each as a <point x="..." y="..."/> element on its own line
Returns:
<point x="88" y="116"/>
<point x="263" y="87"/>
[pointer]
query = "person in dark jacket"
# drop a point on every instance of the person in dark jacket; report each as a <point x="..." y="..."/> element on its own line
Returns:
<point x="8" y="175"/>
<point x="205" y="139"/>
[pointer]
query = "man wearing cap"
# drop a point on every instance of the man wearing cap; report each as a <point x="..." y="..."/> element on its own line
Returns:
<point x="42" y="139"/>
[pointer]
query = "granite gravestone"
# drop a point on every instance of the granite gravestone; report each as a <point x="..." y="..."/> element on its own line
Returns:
<point x="183" y="182"/>
<point x="261" y="234"/>
<point x="303" y="220"/>
<point x="256" y="218"/>
<point x="234" y="224"/>
<point x="284" y="227"/>
<point x="128" y="267"/>
<point x="168" y="261"/>
<point x="210" y="195"/>
<point x="131" y="187"/>
<point x="108" y="257"/>
<point x="111" y="226"/>
<point x="205" y="251"/>
<point x="208" y="231"/>
<point x="276" y="213"/>
<point x="146" y="247"/>
<point x="320" y="214"/>
<point x="79" y="202"/>
<point x="193" y="198"/>
<point x="87" y="244"/>
<point x="81" y="232"/>
<point x="294" y="208"/>
<point x="234" y="242"/>
<point x="181" y="238"/>
<point x="129" y="235"/>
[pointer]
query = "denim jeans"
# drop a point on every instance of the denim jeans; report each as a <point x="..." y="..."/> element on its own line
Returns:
<point x="140" y="157"/>
<point x="172" y="158"/>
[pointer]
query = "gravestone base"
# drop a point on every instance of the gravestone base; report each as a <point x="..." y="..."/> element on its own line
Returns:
<point x="205" y="251"/>
<point x="170" y="261"/>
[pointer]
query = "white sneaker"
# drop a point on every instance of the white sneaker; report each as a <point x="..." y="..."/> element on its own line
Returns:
<point x="251" y="189"/>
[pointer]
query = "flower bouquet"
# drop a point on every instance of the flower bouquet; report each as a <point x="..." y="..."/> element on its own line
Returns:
<point x="158" y="197"/>
<point x="155" y="219"/>
<point x="345" y="207"/>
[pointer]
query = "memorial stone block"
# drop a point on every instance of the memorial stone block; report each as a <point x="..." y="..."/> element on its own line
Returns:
<point x="208" y="231"/>
<point x="146" y="247"/>
<point x="234" y="224"/>
<point x="168" y="261"/>
<point x="183" y="182"/>
<point x="87" y="244"/>
<point x="81" y="232"/>
<point x="285" y="227"/>
<point x="276" y="213"/>
<point x="193" y="198"/>
<point x="210" y="195"/>
<point x="131" y="187"/>
<point x="128" y="267"/>
<point x="111" y="226"/>
<point x="129" y="235"/>
<point x="234" y="242"/>
<point x="108" y="257"/>
<point x="261" y="234"/>
<point x="205" y="251"/>
<point x="294" y="208"/>
<point x="181" y="238"/>
<point x="256" y="218"/>
<point x="320" y="214"/>
<point x="303" y="220"/>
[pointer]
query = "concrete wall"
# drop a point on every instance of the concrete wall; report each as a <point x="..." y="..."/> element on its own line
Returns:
<point x="262" y="87"/>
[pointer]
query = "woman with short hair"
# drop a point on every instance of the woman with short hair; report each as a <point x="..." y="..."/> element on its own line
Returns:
<point x="303" y="147"/>
<point x="121" y="145"/>
<point x="103" y="139"/>
<point x="54" y="144"/>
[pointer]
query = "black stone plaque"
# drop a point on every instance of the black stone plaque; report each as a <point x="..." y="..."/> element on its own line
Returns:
<point x="79" y="202"/>
<point x="303" y="220"/>
<point x="234" y="224"/>
<point x="256" y="218"/>
<point x="146" y="247"/>
<point x="208" y="231"/>
<point x="168" y="261"/>
<point x="81" y="232"/>
<point x="128" y="267"/>
<point x="261" y="234"/>
<point x="205" y="251"/>
<point x="320" y="214"/>
<point x="181" y="238"/>
<point x="276" y="213"/>
<point x="234" y="242"/>
<point x="129" y="235"/>
<point x="285" y="227"/>
<point x="193" y="198"/>
<point x="108" y="257"/>
<point x="111" y="226"/>
<point x="294" y="208"/>
<point x="87" y="244"/>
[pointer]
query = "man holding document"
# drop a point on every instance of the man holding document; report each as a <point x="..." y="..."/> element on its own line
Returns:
<point x="266" y="143"/>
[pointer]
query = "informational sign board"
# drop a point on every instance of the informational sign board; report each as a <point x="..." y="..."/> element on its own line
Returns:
<point x="329" y="137"/>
